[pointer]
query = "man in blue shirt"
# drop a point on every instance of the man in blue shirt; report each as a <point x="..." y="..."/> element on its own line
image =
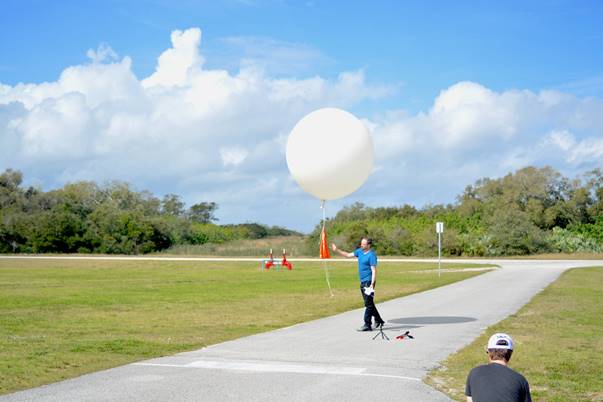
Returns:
<point x="367" y="271"/>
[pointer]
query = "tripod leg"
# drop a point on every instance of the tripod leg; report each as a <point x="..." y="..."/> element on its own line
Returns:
<point x="383" y="335"/>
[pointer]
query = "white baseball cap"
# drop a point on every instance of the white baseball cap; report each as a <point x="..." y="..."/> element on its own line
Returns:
<point x="500" y="341"/>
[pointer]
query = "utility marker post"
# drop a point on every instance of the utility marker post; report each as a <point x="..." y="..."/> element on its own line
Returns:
<point x="439" y="230"/>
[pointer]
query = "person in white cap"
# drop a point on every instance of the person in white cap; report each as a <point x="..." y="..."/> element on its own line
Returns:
<point x="496" y="381"/>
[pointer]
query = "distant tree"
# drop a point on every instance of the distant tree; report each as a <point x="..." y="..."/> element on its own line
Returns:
<point x="11" y="179"/>
<point x="171" y="204"/>
<point x="124" y="198"/>
<point x="256" y="231"/>
<point x="407" y="211"/>
<point x="594" y="186"/>
<point x="11" y="195"/>
<point x="512" y="233"/>
<point x="398" y="240"/>
<point x="202" y="212"/>
<point x="125" y="232"/>
<point x="56" y="231"/>
<point x="527" y="211"/>
<point x="281" y="231"/>
<point x="354" y="232"/>
<point x="356" y="211"/>
<point x="80" y="198"/>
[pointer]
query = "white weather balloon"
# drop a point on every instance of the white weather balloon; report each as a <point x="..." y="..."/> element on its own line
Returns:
<point x="330" y="153"/>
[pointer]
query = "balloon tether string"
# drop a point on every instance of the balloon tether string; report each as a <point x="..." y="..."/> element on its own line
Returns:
<point x="324" y="261"/>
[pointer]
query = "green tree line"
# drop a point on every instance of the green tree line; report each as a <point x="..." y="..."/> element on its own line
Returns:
<point x="84" y="217"/>
<point x="533" y="210"/>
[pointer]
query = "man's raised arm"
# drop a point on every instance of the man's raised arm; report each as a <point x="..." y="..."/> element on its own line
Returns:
<point x="341" y="252"/>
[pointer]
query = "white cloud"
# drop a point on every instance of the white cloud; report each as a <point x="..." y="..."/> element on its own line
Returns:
<point x="468" y="112"/>
<point x="178" y="64"/>
<point x="563" y="139"/>
<point x="181" y="129"/>
<point x="102" y="53"/>
<point x="53" y="128"/>
<point x="472" y="131"/>
<point x="214" y="135"/>
<point x="233" y="156"/>
<point x="468" y="118"/>
<point x="587" y="150"/>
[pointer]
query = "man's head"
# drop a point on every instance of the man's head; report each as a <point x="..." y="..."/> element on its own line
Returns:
<point x="500" y="347"/>
<point x="366" y="243"/>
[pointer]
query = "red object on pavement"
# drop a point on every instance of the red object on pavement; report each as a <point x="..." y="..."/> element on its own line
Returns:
<point x="405" y="335"/>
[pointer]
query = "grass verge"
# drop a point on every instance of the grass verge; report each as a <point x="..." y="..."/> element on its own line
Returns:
<point x="561" y="256"/>
<point x="296" y="246"/>
<point x="558" y="343"/>
<point x="63" y="318"/>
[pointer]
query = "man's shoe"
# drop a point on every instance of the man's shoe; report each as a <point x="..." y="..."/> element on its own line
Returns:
<point x="364" y="328"/>
<point x="379" y="324"/>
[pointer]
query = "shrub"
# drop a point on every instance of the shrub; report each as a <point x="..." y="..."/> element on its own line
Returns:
<point x="566" y="241"/>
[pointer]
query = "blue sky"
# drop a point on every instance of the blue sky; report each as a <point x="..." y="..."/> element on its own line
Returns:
<point x="523" y="71"/>
<point x="422" y="46"/>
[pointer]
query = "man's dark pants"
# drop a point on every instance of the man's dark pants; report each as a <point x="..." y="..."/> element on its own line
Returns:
<point x="369" y="303"/>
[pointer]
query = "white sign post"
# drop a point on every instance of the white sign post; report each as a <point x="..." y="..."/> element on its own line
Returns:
<point x="439" y="230"/>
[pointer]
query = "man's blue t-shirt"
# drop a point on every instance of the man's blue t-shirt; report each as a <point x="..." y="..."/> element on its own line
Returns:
<point x="365" y="261"/>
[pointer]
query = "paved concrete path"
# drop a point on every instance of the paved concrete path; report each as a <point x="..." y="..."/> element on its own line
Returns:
<point x="326" y="359"/>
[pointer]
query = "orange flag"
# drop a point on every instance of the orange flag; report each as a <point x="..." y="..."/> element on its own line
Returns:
<point x="324" y="244"/>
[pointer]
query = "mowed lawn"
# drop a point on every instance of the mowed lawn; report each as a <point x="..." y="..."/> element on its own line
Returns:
<point x="559" y="343"/>
<point x="63" y="318"/>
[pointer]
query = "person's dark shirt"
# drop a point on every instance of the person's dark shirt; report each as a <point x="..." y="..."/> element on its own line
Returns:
<point x="497" y="383"/>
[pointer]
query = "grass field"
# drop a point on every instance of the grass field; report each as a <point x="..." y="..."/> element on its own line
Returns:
<point x="558" y="343"/>
<point x="61" y="318"/>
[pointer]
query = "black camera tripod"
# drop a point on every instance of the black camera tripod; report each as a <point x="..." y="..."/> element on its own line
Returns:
<point x="381" y="333"/>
